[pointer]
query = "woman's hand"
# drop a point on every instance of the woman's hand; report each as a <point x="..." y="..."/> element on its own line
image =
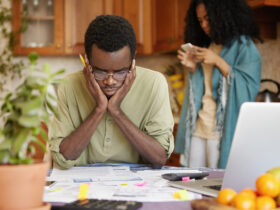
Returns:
<point x="94" y="88"/>
<point x="209" y="57"/>
<point x="206" y="56"/>
<point x="187" y="59"/>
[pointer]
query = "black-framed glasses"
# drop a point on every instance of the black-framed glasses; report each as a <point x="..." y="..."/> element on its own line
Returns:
<point x="101" y="74"/>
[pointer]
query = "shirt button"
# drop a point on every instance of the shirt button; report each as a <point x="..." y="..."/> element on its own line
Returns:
<point x="108" y="139"/>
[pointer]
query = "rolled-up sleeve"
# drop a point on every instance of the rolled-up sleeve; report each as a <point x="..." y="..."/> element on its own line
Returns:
<point x="60" y="128"/>
<point x="160" y="122"/>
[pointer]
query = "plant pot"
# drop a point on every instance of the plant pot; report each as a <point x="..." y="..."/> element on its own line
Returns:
<point x="22" y="186"/>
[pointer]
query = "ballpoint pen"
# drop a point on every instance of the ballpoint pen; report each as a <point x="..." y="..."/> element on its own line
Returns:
<point x="83" y="60"/>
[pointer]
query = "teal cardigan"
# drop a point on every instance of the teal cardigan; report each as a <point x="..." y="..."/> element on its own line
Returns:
<point x="241" y="85"/>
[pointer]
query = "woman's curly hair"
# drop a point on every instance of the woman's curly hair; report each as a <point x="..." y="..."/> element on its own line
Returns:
<point x="228" y="19"/>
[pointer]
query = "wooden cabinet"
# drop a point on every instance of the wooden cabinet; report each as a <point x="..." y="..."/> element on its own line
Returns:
<point x="261" y="3"/>
<point x="77" y="16"/>
<point x="267" y="14"/>
<point x="45" y="27"/>
<point x="158" y="24"/>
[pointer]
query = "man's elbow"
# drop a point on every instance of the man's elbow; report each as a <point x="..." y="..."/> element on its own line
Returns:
<point x="159" y="163"/>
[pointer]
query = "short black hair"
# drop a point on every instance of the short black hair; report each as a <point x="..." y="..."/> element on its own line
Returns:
<point x="228" y="19"/>
<point x="110" y="33"/>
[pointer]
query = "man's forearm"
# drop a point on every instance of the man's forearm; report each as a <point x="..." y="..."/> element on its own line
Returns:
<point x="73" y="145"/>
<point x="149" y="148"/>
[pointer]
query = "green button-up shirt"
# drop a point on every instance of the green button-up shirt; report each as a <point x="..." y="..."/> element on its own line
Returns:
<point x="146" y="105"/>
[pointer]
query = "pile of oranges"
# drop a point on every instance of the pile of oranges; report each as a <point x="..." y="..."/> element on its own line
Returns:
<point x="266" y="196"/>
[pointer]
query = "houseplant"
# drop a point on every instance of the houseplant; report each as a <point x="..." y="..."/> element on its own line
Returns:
<point x="23" y="110"/>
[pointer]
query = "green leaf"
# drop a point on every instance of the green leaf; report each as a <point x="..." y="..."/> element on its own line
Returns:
<point x="59" y="72"/>
<point x="53" y="110"/>
<point x="28" y="160"/>
<point x="31" y="149"/>
<point x="44" y="134"/>
<point x="29" y="121"/>
<point x="52" y="97"/>
<point x="47" y="68"/>
<point x="4" y="156"/>
<point x="6" y="144"/>
<point x="20" y="142"/>
<point x="33" y="57"/>
<point x="31" y="107"/>
<point x="40" y="144"/>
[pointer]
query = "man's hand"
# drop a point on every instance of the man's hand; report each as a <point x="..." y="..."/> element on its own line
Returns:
<point x="94" y="88"/>
<point x="187" y="59"/>
<point x="115" y="101"/>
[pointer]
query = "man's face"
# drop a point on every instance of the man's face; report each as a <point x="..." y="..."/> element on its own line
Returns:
<point x="110" y="68"/>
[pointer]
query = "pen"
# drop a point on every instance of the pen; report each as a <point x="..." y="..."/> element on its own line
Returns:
<point x="82" y="59"/>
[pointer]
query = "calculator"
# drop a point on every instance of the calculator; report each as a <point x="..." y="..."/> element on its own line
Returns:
<point x="102" y="204"/>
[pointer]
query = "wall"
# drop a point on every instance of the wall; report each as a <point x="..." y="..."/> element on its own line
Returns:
<point x="270" y="52"/>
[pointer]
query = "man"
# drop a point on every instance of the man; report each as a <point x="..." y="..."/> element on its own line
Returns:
<point x="113" y="111"/>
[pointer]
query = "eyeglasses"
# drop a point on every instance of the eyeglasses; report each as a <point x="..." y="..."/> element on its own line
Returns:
<point x="117" y="75"/>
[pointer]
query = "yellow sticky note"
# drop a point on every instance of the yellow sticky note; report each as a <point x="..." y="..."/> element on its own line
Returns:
<point x="56" y="189"/>
<point x="176" y="195"/>
<point x="124" y="184"/>
<point x="83" y="191"/>
<point x="184" y="195"/>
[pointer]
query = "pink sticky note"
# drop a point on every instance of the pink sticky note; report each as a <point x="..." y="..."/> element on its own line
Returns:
<point x="140" y="184"/>
<point x="186" y="178"/>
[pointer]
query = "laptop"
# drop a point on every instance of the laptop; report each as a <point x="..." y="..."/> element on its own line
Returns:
<point x="255" y="149"/>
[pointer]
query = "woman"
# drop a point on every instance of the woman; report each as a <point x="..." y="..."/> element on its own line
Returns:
<point x="224" y="68"/>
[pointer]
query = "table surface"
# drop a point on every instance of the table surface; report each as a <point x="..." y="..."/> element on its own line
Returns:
<point x="178" y="205"/>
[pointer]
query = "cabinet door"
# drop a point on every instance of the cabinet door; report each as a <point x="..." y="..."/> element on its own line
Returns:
<point x="44" y="32"/>
<point x="169" y="24"/>
<point x="132" y="11"/>
<point x="78" y="15"/>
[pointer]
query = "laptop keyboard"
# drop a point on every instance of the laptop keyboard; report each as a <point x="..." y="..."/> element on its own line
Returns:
<point x="214" y="187"/>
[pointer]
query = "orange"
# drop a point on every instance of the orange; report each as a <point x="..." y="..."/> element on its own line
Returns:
<point x="225" y="196"/>
<point x="268" y="184"/>
<point x="250" y="192"/>
<point x="244" y="201"/>
<point x="265" y="203"/>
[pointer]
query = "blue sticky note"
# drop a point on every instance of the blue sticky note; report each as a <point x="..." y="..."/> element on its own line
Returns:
<point x="81" y="180"/>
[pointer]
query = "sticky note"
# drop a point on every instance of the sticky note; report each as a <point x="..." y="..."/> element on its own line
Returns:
<point x="186" y="178"/>
<point x="82" y="180"/>
<point x="182" y="195"/>
<point x="56" y="189"/>
<point x="176" y="195"/>
<point x="124" y="184"/>
<point x="83" y="191"/>
<point x="140" y="184"/>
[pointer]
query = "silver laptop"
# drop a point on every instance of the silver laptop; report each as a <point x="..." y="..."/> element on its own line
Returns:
<point x="255" y="149"/>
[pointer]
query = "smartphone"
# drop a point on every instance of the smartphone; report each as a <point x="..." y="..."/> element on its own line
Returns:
<point x="179" y="176"/>
<point x="188" y="47"/>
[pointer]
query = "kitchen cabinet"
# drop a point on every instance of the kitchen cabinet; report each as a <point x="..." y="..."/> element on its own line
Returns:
<point x="158" y="24"/>
<point x="261" y="3"/>
<point x="267" y="14"/>
<point x="45" y="27"/>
